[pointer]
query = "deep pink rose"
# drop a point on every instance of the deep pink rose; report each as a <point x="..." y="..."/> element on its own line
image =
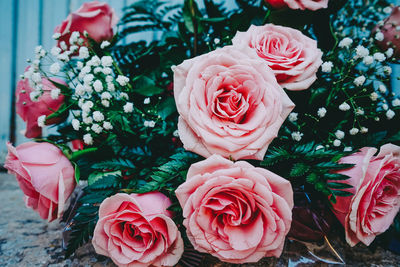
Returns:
<point x="376" y="188"/>
<point x="96" y="18"/>
<point x="229" y="104"/>
<point x="30" y="110"/>
<point x="45" y="176"/>
<point x="234" y="211"/>
<point x="137" y="230"/>
<point x="299" y="4"/>
<point x="294" y="57"/>
<point x="391" y="32"/>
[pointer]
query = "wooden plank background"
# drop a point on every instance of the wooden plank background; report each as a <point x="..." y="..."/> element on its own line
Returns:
<point x="24" y="25"/>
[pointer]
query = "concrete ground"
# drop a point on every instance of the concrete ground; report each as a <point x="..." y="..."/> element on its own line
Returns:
<point x="26" y="240"/>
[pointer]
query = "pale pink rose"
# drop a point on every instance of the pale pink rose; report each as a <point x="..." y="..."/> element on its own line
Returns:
<point x="45" y="176"/>
<point x="137" y="230"/>
<point x="30" y="111"/>
<point x="229" y="104"/>
<point x="299" y="4"/>
<point x="376" y="193"/>
<point x="234" y="211"/>
<point x="96" y="18"/>
<point x="293" y="57"/>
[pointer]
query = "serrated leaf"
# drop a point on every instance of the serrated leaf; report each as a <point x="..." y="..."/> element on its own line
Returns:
<point x="335" y="176"/>
<point x="96" y="176"/>
<point x="342" y="193"/>
<point x="299" y="169"/>
<point x="334" y="185"/>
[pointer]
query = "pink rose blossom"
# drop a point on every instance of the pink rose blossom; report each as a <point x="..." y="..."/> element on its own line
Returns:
<point x="137" y="230"/>
<point x="376" y="193"/>
<point x="45" y="176"/>
<point x="293" y="57"/>
<point x="299" y="4"/>
<point x="30" y="110"/>
<point x="234" y="211"/>
<point x="96" y="18"/>
<point x="229" y="104"/>
<point x="391" y="32"/>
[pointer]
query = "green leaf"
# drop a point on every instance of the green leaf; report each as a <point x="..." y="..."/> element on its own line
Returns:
<point x="299" y="169"/>
<point x="77" y="173"/>
<point x="166" y="107"/>
<point x="341" y="193"/>
<point x="96" y="176"/>
<point x="59" y="113"/>
<point x="114" y="164"/>
<point x="335" y="176"/>
<point x="190" y="14"/>
<point x="146" y="87"/>
<point x="334" y="185"/>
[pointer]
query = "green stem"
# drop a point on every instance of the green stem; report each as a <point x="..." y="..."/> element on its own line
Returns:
<point x="80" y="153"/>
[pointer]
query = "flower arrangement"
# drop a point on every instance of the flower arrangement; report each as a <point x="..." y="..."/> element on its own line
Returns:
<point x="231" y="132"/>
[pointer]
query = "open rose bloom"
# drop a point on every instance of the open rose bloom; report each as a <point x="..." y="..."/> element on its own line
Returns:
<point x="376" y="188"/>
<point x="229" y="104"/>
<point x="45" y="176"/>
<point x="293" y="57"/>
<point x="234" y="211"/>
<point x="96" y="18"/>
<point x="299" y="4"/>
<point x="137" y="230"/>
<point x="30" y="110"/>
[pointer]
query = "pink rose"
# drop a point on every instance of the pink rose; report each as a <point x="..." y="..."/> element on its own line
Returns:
<point x="376" y="193"/>
<point x="137" y="230"/>
<point x="45" y="176"/>
<point x="391" y="32"/>
<point x="30" y="110"/>
<point x="229" y="104"/>
<point x="293" y="57"/>
<point x="299" y="4"/>
<point x="96" y="18"/>
<point x="234" y="211"/>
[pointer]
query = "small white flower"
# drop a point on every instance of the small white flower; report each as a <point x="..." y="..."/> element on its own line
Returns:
<point x="388" y="9"/>
<point x="387" y="70"/>
<point x="296" y="136"/>
<point x="293" y="116"/>
<point x="339" y="134"/>
<point x="346" y="42"/>
<point x="107" y="71"/>
<point x="321" y="112"/>
<point x="83" y="52"/>
<point x="111" y="87"/>
<point x="104" y="44"/>
<point x="344" y="106"/>
<point x="63" y="45"/>
<point x="385" y="106"/>
<point x="36" y="77"/>
<point x="360" y="112"/>
<point x="88" y="88"/>
<point x="319" y="147"/>
<point x="380" y="57"/>
<point x="106" y="95"/>
<point x="390" y="114"/>
<point x="56" y="36"/>
<point x="55" y="93"/>
<point x="374" y="96"/>
<point x="109" y="78"/>
<point x="88" y="139"/>
<point x="164" y="75"/>
<point x="217" y="41"/>
<point x="337" y="143"/>
<point x="348" y="149"/>
<point x="94" y="61"/>
<point x="396" y="102"/>
<point x="98" y="116"/>
<point x="377" y="119"/>
<point x="368" y="60"/>
<point x="107" y="125"/>
<point x="79" y="65"/>
<point x="34" y="96"/>
<point x="364" y="130"/>
<point x="98" y="86"/>
<point x="76" y="124"/>
<point x="97" y="128"/>
<point x="128" y="107"/>
<point x="87" y="120"/>
<point x="88" y="78"/>
<point x="98" y="70"/>
<point x="122" y="80"/>
<point x="149" y="124"/>
<point x="41" y="121"/>
<point x="106" y="61"/>
<point x="327" y="66"/>
<point x="55" y="68"/>
<point x="55" y="51"/>
<point x="361" y="52"/>
<point x="389" y="53"/>
<point x="382" y="88"/>
<point x="146" y="100"/>
<point x="354" y="131"/>
<point x="359" y="81"/>
<point x="176" y="133"/>
<point x="85" y="70"/>
<point x="73" y="48"/>
<point x="63" y="56"/>
<point x="105" y="103"/>
<point x="123" y="95"/>
<point x="379" y="36"/>
<point x="87" y="106"/>
<point x="74" y="37"/>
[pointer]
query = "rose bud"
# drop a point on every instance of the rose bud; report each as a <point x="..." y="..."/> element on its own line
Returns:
<point x="45" y="176"/>
<point x="95" y="18"/>
<point x="376" y="193"/>
<point x="391" y="32"/>
<point x="137" y="230"/>
<point x="46" y="104"/>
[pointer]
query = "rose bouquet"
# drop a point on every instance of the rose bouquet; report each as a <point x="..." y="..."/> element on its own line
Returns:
<point x="231" y="132"/>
